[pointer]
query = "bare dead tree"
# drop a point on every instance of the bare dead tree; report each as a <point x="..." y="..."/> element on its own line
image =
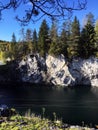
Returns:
<point x="40" y="8"/>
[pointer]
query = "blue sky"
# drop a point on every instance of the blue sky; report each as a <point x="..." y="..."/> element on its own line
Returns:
<point x="8" y="24"/>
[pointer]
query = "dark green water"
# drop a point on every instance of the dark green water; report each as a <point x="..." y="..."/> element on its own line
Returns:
<point x="72" y="105"/>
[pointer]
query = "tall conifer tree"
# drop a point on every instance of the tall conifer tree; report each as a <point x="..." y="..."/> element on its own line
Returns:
<point x="43" y="35"/>
<point x="54" y="38"/>
<point x="74" y="37"/>
<point x="87" y="44"/>
<point x="35" y="40"/>
<point x="64" y="40"/>
<point x="96" y="37"/>
<point x="13" y="48"/>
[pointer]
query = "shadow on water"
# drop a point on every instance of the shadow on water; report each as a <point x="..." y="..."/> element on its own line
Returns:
<point x="72" y="105"/>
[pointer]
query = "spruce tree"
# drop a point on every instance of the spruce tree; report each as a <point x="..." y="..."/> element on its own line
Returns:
<point x="35" y="41"/>
<point x="74" y="38"/>
<point x="13" y="47"/>
<point x="22" y="35"/>
<point x="87" y="44"/>
<point x="55" y="46"/>
<point x="43" y="35"/>
<point x="96" y="38"/>
<point x="28" y="36"/>
<point x="53" y="31"/>
<point x="89" y="19"/>
<point x="29" y="40"/>
<point x="63" y="40"/>
<point x="13" y="38"/>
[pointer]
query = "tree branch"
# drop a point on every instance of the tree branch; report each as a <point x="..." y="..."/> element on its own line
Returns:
<point x="40" y="8"/>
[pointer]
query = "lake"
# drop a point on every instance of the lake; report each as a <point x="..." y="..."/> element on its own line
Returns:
<point x="73" y="106"/>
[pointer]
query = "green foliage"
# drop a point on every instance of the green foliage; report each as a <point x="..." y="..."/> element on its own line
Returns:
<point x="68" y="40"/>
<point x="43" y="35"/>
<point x="53" y="32"/>
<point x="29" y="40"/>
<point x="28" y="123"/>
<point x="64" y="43"/>
<point x="35" y="41"/>
<point x="33" y="122"/>
<point x="55" y="49"/>
<point x="87" y="44"/>
<point x="74" y="38"/>
<point x="96" y="38"/>
<point x="89" y="19"/>
<point x="28" y="36"/>
<point x="13" y="48"/>
<point x="75" y="30"/>
<point x="96" y="29"/>
<point x="13" y="38"/>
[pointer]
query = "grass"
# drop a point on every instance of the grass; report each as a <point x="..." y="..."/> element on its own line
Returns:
<point x="25" y="123"/>
<point x="33" y="122"/>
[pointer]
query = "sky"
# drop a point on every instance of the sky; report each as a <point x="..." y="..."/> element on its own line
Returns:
<point x="9" y="25"/>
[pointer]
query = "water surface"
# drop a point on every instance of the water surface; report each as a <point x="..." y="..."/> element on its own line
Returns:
<point x="71" y="105"/>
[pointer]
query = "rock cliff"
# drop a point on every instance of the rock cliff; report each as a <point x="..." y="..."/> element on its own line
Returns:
<point x="58" y="71"/>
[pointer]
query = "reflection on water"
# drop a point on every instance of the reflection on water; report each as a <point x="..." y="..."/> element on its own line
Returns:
<point x="72" y="105"/>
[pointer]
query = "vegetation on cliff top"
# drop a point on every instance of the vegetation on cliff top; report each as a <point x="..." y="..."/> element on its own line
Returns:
<point x="70" y="40"/>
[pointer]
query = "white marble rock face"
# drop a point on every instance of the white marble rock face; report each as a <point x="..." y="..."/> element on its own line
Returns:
<point x="59" y="71"/>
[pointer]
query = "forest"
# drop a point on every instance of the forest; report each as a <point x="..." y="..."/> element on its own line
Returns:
<point x="70" y="39"/>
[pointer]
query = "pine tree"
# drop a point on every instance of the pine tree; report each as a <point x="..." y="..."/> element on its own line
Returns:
<point x="43" y="35"/>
